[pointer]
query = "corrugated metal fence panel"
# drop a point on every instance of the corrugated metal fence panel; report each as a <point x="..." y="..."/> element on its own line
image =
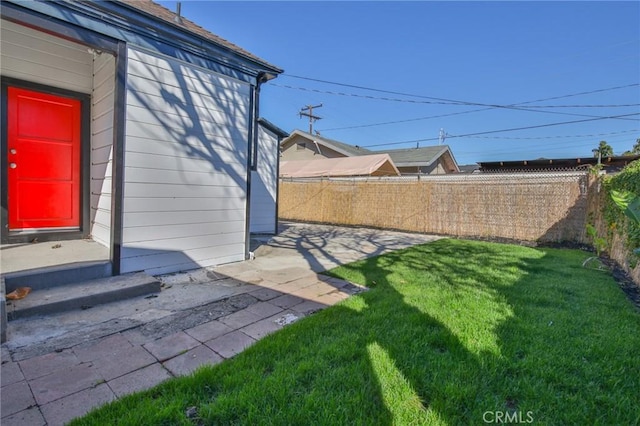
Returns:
<point x="185" y="166"/>
<point x="38" y="57"/>
<point x="546" y="207"/>
<point x="264" y="181"/>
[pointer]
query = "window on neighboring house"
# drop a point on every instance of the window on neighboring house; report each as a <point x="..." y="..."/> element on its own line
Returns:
<point x="301" y="146"/>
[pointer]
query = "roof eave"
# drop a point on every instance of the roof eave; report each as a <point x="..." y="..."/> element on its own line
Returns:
<point x="229" y="50"/>
<point x="322" y="142"/>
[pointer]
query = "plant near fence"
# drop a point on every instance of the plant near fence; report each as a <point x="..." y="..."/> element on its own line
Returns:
<point x="630" y="205"/>
<point x="599" y="245"/>
<point x="622" y="209"/>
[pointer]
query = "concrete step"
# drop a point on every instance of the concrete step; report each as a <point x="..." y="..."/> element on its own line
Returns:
<point x="82" y="295"/>
<point x="52" y="276"/>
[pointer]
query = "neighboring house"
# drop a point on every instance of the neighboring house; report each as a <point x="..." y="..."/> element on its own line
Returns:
<point x="303" y="146"/>
<point x="426" y="160"/>
<point x="132" y="126"/>
<point x="429" y="160"/>
<point x="609" y="164"/>
<point x="264" y="179"/>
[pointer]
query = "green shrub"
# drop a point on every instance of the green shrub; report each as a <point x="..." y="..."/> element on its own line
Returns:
<point x="624" y="184"/>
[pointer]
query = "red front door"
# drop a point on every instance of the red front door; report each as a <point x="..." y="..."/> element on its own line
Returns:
<point x="44" y="160"/>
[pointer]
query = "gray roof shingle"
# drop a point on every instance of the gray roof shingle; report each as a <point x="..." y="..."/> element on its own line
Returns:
<point x="349" y="150"/>
<point x="415" y="156"/>
<point x="162" y="13"/>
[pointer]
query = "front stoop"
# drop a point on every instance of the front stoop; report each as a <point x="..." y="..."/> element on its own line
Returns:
<point x="53" y="276"/>
<point x="82" y="295"/>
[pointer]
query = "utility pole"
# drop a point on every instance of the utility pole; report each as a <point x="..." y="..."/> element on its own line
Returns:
<point x="309" y="114"/>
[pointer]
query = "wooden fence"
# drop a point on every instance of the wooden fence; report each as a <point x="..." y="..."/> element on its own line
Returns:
<point x="525" y="207"/>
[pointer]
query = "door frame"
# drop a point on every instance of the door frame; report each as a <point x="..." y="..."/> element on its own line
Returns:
<point x="85" y="164"/>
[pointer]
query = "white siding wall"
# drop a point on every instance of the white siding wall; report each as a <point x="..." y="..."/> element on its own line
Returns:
<point x="38" y="57"/>
<point x="185" y="166"/>
<point x="102" y="132"/>
<point x="264" y="181"/>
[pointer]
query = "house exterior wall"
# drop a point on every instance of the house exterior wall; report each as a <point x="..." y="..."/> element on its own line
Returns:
<point x="264" y="183"/>
<point x="102" y="134"/>
<point x="41" y="58"/>
<point x="38" y="57"/>
<point x="185" y="166"/>
<point x="294" y="150"/>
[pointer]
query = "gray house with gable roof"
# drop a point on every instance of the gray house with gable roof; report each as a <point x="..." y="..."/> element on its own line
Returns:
<point x="410" y="161"/>
<point x="131" y="126"/>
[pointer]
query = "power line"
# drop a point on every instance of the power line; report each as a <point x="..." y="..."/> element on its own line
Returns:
<point x="412" y="101"/>
<point x="503" y="130"/>
<point x="477" y="110"/>
<point x="355" y="95"/>
<point x="537" y="147"/>
<point x="557" y="137"/>
<point x="543" y="125"/>
<point x="449" y="101"/>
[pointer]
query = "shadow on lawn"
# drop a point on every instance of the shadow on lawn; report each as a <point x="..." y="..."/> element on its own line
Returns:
<point x="551" y="360"/>
<point x="440" y="369"/>
<point x="450" y="331"/>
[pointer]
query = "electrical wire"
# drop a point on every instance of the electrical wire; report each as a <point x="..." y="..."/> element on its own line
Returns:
<point x="500" y="131"/>
<point x="380" y="98"/>
<point x="477" y="110"/>
<point x="511" y="107"/>
<point x="449" y="101"/>
<point x="557" y="137"/>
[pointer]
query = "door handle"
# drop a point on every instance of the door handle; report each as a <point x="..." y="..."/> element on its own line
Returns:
<point x="13" y="151"/>
<point x="13" y="165"/>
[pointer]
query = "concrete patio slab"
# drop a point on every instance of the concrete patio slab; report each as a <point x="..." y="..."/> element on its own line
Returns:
<point x="191" y="360"/>
<point x="39" y="366"/>
<point x="208" y="331"/>
<point x="107" y="347"/>
<point x="123" y="361"/>
<point x="64" y="382"/>
<point x="259" y="329"/>
<point x="15" y="398"/>
<point x="308" y="307"/>
<point x="265" y="294"/>
<point x="138" y="380"/>
<point x="22" y="257"/>
<point x="230" y="344"/>
<point x="63" y="410"/>
<point x="240" y="319"/>
<point x="31" y="416"/>
<point x="264" y="309"/>
<point x="286" y="301"/>
<point x="170" y="346"/>
<point x="10" y="373"/>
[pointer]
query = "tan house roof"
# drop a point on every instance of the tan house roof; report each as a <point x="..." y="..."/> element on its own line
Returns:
<point x="363" y="165"/>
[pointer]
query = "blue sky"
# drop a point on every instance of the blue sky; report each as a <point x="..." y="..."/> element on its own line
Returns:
<point x="433" y="65"/>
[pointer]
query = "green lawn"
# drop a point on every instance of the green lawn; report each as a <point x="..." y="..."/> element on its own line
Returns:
<point x="453" y="332"/>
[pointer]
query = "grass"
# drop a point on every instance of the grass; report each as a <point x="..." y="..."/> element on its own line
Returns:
<point x="450" y="333"/>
